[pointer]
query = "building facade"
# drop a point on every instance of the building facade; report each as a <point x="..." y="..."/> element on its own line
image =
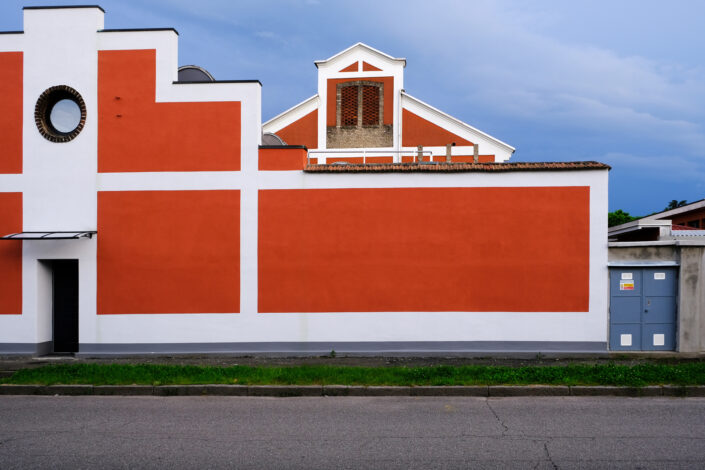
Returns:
<point x="158" y="222"/>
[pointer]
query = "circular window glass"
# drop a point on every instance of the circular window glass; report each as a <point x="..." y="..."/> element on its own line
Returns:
<point x="65" y="116"/>
<point x="60" y="113"/>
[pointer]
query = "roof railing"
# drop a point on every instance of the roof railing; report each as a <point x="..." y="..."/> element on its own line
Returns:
<point x="322" y="156"/>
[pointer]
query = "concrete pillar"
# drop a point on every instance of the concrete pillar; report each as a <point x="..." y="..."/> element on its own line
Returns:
<point x="691" y="308"/>
<point x="419" y="153"/>
<point x="448" y="153"/>
<point x="475" y="154"/>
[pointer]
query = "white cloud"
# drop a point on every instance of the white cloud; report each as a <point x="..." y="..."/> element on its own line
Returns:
<point x="498" y="56"/>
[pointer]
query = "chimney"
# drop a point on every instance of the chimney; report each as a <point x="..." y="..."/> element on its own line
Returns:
<point x="448" y="152"/>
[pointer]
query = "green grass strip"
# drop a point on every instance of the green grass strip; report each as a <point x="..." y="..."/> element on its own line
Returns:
<point x="149" y="374"/>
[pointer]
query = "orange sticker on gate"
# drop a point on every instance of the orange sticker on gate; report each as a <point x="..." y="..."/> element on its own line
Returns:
<point x="626" y="284"/>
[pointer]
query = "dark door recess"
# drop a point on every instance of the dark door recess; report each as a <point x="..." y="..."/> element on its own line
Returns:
<point x="65" y="305"/>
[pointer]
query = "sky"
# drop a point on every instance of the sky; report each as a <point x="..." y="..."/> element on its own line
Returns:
<point x="620" y="82"/>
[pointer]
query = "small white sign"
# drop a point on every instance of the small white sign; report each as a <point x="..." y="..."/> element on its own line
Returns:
<point x="659" y="339"/>
<point x="625" y="340"/>
<point x="627" y="276"/>
<point x="659" y="276"/>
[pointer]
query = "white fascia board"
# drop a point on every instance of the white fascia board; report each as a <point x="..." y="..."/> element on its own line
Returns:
<point x="337" y="57"/>
<point x="639" y="224"/>
<point x="678" y="210"/>
<point x="292" y="114"/>
<point x="445" y="120"/>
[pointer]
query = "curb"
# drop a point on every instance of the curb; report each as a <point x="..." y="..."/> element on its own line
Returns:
<point x="355" y="390"/>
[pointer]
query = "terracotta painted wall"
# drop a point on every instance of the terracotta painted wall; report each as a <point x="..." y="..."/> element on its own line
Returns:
<point x="350" y="68"/>
<point x="418" y="131"/>
<point x="282" y="159"/>
<point x="10" y="254"/>
<point x="683" y="219"/>
<point x="137" y="134"/>
<point x="432" y="249"/>
<point x="11" y="112"/>
<point x="302" y="132"/>
<point x="168" y="252"/>
<point x="388" y="97"/>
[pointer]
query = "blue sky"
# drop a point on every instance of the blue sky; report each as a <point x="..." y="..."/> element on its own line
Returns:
<point x="622" y="82"/>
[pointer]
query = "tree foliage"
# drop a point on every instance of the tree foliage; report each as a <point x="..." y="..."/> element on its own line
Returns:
<point x="619" y="217"/>
<point x="674" y="204"/>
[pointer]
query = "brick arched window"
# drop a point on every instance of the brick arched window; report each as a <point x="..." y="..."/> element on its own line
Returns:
<point x="359" y="103"/>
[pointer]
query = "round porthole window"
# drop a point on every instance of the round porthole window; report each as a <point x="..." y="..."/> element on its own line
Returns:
<point x="60" y="113"/>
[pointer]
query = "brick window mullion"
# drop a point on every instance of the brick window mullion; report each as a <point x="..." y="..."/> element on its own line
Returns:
<point x="359" y="106"/>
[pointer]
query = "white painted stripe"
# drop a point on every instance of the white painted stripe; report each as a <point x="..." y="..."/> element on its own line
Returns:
<point x="11" y="183"/>
<point x="349" y="326"/>
<point x="170" y="181"/>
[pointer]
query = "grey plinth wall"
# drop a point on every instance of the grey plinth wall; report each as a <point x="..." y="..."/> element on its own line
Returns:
<point x="690" y="256"/>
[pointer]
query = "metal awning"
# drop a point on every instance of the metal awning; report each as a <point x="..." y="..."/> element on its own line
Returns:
<point x="48" y="235"/>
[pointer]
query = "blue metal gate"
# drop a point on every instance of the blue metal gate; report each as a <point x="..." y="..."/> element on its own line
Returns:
<point x="643" y="304"/>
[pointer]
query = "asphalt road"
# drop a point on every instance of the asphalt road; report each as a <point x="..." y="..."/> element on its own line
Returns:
<point x="347" y="432"/>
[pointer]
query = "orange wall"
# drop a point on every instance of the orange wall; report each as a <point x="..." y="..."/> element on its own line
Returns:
<point x="683" y="219"/>
<point x="350" y="68"/>
<point x="302" y="132"/>
<point x="282" y="159"/>
<point x="433" y="249"/>
<point x="168" y="252"/>
<point x="11" y="112"/>
<point x="369" y="67"/>
<point x="137" y="134"/>
<point x="418" y="131"/>
<point x="388" y="97"/>
<point x="10" y="254"/>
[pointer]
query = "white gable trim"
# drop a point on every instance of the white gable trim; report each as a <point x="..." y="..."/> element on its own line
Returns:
<point x="359" y="45"/>
<point x="500" y="149"/>
<point x="291" y="115"/>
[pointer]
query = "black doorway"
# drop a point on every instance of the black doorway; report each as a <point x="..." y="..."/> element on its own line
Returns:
<point x="65" y="305"/>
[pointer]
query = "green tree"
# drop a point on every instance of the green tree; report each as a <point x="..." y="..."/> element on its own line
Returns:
<point x="675" y="203"/>
<point x="619" y="217"/>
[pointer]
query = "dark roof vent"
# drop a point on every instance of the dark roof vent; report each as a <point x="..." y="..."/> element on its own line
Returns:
<point x="194" y="73"/>
<point x="269" y="138"/>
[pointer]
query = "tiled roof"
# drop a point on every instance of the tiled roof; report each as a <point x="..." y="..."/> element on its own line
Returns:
<point x="454" y="167"/>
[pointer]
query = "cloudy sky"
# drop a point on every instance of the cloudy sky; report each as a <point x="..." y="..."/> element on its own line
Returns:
<point x="622" y="82"/>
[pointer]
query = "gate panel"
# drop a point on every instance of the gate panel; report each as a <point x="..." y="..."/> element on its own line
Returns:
<point x="625" y="309"/>
<point x="659" y="315"/>
<point x="643" y="309"/>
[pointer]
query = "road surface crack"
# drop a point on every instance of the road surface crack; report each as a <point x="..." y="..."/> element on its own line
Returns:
<point x="548" y="455"/>
<point x="505" y="428"/>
